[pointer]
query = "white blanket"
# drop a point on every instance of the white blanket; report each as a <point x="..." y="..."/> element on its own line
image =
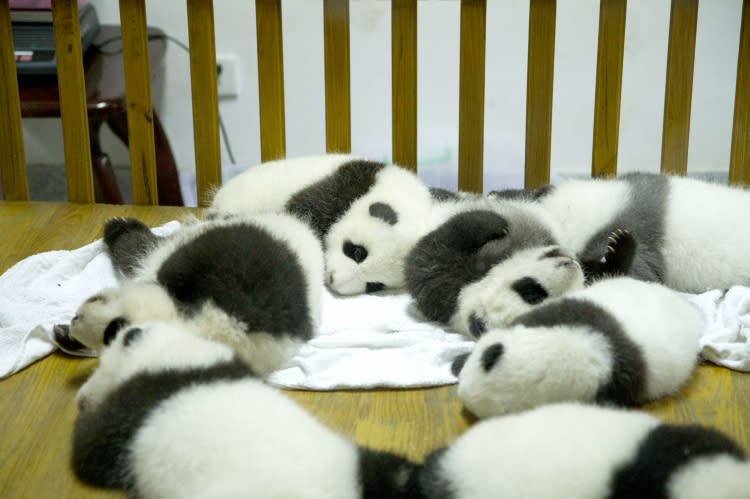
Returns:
<point x="364" y="341"/>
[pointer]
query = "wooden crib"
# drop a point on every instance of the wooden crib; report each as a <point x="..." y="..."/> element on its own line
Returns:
<point x="38" y="407"/>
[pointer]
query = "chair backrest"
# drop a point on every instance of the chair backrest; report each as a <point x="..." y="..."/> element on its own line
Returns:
<point x="678" y="92"/>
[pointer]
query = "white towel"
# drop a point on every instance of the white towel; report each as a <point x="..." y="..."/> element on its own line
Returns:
<point x="364" y="341"/>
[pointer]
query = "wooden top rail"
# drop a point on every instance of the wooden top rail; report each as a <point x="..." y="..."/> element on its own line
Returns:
<point x="541" y="68"/>
<point x="608" y="87"/>
<point x="404" y="82"/>
<point x="140" y="108"/>
<point x="337" y="79"/>
<point x="739" y="162"/>
<point x="70" y="82"/>
<point x="12" y="160"/>
<point x="471" y="95"/>
<point x="270" y="79"/>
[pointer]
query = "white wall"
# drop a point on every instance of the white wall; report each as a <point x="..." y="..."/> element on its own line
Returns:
<point x="438" y="30"/>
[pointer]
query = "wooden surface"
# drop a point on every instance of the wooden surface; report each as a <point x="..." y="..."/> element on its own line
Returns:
<point x="608" y="87"/>
<point x="200" y="14"/>
<point x="38" y="409"/>
<point x="75" y="122"/>
<point x="471" y="95"/>
<point x="270" y="79"/>
<point x="739" y="160"/>
<point x="140" y="109"/>
<point x="683" y="21"/>
<point x="541" y="69"/>
<point x="337" y="79"/>
<point x="13" y="164"/>
<point x="404" y="82"/>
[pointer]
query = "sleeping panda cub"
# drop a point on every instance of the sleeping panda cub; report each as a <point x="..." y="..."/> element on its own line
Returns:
<point x="368" y="214"/>
<point x="168" y="414"/>
<point x="253" y="283"/>
<point x="580" y="451"/>
<point x="488" y="264"/>
<point x="619" y="341"/>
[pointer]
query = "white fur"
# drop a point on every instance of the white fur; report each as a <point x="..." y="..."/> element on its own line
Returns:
<point x="140" y="299"/>
<point x="387" y="245"/>
<point x="492" y="300"/>
<point x="551" y="364"/>
<point x="571" y="451"/>
<point x="705" y="240"/>
<point x="226" y="439"/>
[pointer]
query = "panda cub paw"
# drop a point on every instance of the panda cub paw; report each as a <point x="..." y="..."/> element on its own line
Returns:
<point x="621" y="246"/>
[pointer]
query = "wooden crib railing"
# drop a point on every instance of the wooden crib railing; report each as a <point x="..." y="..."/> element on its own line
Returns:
<point x="676" y="123"/>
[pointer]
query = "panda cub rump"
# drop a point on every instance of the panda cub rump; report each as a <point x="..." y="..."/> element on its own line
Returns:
<point x="598" y="453"/>
<point x="619" y="341"/>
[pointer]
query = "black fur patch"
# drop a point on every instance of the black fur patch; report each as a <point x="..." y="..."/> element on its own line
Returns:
<point x="628" y="366"/>
<point x="102" y="437"/>
<point x="439" y="194"/>
<point x="477" y="327"/>
<point x="114" y="327"/>
<point x="63" y="340"/>
<point x="245" y="272"/>
<point x="491" y="355"/>
<point x="459" y="363"/>
<point x="663" y="452"/>
<point x="382" y="474"/>
<point x="127" y="241"/>
<point x="354" y="251"/>
<point x="385" y="212"/>
<point x="131" y="335"/>
<point x="462" y="251"/>
<point x="644" y="217"/>
<point x="374" y="287"/>
<point x="618" y="259"/>
<point x="522" y="194"/>
<point x="530" y="290"/>
<point x="433" y="483"/>
<point x="324" y="202"/>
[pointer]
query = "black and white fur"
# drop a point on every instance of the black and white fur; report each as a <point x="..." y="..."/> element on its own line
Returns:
<point x="168" y="414"/>
<point x="619" y="341"/>
<point x="578" y="451"/>
<point x="690" y="233"/>
<point x="253" y="283"/>
<point x="368" y="214"/>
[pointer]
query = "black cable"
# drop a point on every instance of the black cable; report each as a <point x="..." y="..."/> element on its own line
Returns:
<point x="184" y="47"/>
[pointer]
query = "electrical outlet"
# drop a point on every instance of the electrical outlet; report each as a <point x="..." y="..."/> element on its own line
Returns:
<point x="227" y="78"/>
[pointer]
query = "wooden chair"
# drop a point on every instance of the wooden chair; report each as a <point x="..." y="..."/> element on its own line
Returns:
<point x="337" y="96"/>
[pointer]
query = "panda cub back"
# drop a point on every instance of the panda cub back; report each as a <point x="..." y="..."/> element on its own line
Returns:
<point x="619" y="341"/>
<point x="251" y="282"/>
<point x="576" y="451"/>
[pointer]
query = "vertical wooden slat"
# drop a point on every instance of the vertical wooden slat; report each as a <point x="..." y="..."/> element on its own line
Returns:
<point x="12" y="161"/>
<point x="71" y="83"/>
<point x="336" y="55"/>
<point x="739" y="159"/>
<point x="270" y="79"/>
<point x="608" y="87"/>
<point x="138" y="97"/>
<point x="404" y="82"/>
<point x="679" y="87"/>
<point x="541" y="68"/>
<point x="200" y="14"/>
<point x="471" y="95"/>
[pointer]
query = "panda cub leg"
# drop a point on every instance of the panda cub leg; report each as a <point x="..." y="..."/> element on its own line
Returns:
<point x="127" y="241"/>
<point x="617" y="259"/>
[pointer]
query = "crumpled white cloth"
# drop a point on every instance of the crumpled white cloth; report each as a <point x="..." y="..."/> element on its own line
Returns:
<point x="364" y="341"/>
<point x="726" y="334"/>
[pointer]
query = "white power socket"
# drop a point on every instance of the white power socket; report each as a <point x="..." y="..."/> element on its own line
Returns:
<point x="227" y="78"/>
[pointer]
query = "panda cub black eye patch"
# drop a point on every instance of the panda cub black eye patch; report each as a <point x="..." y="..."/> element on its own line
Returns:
<point x="355" y="252"/>
<point x="530" y="290"/>
<point x="384" y="212"/>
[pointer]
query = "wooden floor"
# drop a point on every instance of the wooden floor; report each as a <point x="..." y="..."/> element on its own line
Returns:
<point x="37" y="406"/>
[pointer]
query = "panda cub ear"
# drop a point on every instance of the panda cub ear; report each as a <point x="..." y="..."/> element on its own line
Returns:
<point x="114" y="326"/>
<point x="385" y="212"/>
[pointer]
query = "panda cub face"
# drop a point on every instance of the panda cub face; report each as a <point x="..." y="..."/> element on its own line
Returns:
<point x="514" y="286"/>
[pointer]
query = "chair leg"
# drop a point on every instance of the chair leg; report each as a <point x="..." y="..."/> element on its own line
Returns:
<point x="106" y="189"/>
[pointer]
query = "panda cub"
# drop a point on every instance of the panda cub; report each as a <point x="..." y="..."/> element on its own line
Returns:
<point x="168" y="414"/>
<point x="252" y="282"/>
<point x="368" y="214"/>
<point x="619" y="341"/>
<point x="580" y="451"/>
